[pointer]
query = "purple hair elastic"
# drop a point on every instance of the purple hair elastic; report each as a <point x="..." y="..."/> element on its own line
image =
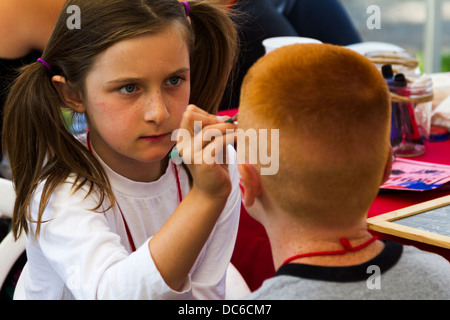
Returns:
<point x="186" y="6"/>
<point x="45" y="64"/>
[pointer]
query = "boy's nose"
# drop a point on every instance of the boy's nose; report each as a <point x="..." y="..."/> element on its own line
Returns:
<point x="156" y="109"/>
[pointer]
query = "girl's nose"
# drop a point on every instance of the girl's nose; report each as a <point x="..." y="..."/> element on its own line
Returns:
<point x="156" y="108"/>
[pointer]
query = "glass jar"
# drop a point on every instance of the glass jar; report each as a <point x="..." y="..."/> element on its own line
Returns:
<point x="411" y="114"/>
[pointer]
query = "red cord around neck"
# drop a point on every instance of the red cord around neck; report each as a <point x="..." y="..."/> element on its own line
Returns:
<point x="345" y="243"/>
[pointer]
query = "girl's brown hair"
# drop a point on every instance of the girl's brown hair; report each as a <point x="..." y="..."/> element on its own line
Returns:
<point x="39" y="146"/>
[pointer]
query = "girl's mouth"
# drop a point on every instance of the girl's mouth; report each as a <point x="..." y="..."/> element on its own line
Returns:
<point x="156" y="137"/>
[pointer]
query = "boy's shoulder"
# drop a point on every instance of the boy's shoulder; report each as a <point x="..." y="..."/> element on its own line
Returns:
<point x="417" y="259"/>
<point x="405" y="272"/>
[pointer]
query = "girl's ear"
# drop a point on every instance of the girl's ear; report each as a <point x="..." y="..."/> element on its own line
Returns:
<point x="70" y="96"/>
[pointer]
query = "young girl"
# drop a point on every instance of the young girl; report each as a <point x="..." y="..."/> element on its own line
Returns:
<point x="111" y="216"/>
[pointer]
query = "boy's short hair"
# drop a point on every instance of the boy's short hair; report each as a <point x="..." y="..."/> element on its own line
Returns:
<point x="332" y="108"/>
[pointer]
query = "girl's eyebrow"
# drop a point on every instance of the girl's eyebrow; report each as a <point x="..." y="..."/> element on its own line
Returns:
<point x="181" y="70"/>
<point x="124" y="80"/>
<point x="131" y="80"/>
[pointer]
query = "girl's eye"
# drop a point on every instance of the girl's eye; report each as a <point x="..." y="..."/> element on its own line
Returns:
<point x="174" y="81"/>
<point x="129" y="88"/>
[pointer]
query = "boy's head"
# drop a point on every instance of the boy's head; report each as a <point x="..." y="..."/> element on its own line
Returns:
<point x="332" y="108"/>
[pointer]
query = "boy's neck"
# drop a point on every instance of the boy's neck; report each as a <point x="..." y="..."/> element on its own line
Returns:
<point x="292" y="239"/>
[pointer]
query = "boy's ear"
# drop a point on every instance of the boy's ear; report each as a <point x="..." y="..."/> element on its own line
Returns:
<point x="70" y="96"/>
<point x="250" y="184"/>
<point x="388" y="167"/>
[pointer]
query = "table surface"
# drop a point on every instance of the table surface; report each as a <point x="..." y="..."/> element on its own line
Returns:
<point x="436" y="152"/>
<point x="252" y="255"/>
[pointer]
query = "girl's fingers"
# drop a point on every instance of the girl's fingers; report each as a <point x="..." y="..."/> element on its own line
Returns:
<point x="222" y="131"/>
<point x="214" y="151"/>
<point x="194" y="114"/>
<point x="195" y="118"/>
<point x="209" y="140"/>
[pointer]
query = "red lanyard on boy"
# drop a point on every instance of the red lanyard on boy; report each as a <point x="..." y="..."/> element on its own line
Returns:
<point x="180" y="197"/>
<point x="345" y="243"/>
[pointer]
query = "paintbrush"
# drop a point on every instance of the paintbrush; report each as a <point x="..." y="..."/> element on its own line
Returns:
<point x="232" y="119"/>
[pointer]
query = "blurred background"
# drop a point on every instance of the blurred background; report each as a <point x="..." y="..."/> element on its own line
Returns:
<point x="416" y="25"/>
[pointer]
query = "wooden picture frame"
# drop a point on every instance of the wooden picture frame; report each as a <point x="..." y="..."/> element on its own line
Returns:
<point x="404" y="222"/>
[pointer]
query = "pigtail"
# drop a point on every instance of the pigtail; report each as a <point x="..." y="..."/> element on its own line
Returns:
<point x="214" y="53"/>
<point x="39" y="145"/>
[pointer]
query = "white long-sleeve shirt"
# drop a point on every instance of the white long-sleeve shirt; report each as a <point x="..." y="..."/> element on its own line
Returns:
<point x="86" y="255"/>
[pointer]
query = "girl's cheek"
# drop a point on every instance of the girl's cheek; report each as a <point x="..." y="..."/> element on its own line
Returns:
<point x="106" y="111"/>
<point x="101" y="104"/>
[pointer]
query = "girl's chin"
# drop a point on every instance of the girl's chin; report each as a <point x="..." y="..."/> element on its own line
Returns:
<point x="163" y="155"/>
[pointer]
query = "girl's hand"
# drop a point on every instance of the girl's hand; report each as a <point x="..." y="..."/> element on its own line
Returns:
<point x="173" y="248"/>
<point x="202" y="142"/>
